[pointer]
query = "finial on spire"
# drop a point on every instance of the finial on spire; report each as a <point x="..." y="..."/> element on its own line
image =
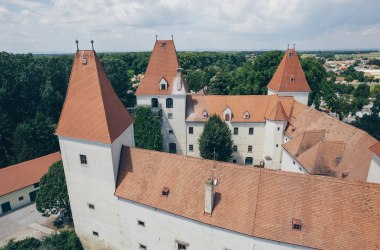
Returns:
<point x="156" y="37"/>
<point x="288" y="45"/>
<point x="172" y="37"/>
<point x="92" y="44"/>
<point x="76" y="41"/>
<point x="294" y="46"/>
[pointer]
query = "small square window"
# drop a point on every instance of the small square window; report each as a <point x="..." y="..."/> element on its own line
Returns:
<point x="296" y="224"/>
<point x="91" y="206"/>
<point x="249" y="148"/>
<point x="83" y="159"/>
<point x="141" y="223"/>
<point x="278" y="128"/>
<point x="292" y="78"/>
<point x="276" y="145"/>
<point x="235" y="148"/>
<point x="181" y="245"/>
<point x="142" y="247"/>
<point x="236" y="131"/>
<point x="170" y="116"/>
<point x="171" y="132"/>
<point x="94" y="233"/>
<point x="20" y="198"/>
<point x="233" y="160"/>
<point x="294" y="163"/>
<point x="251" y="131"/>
<point x="163" y="86"/>
<point x="191" y="130"/>
<point x="191" y="147"/>
<point x="36" y="185"/>
<point x="165" y="191"/>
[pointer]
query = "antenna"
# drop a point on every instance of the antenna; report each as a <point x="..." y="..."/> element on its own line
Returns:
<point x="172" y="37"/>
<point x="76" y="41"/>
<point x="92" y="44"/>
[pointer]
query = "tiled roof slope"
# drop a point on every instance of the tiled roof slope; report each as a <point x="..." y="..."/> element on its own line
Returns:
<point x="356" y="155"/>
<point x="163" y="63"/>
<point x="376" y="149"/>
<point x="26" y="173"/>
<point x="335" y="214"/>
<point x="278" y="113"/>
<point x="290" y="67"/>
<point x="92" y="110"/>
<point x="258" y="106"/>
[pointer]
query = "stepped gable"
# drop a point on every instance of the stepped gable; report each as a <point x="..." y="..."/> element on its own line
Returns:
<point x="258" y="106"/>
<point x="357" y="154"/>
<point x="254" y="201"/>
<point x="92" y="110"/>
<point x="289" y="76"/>
<point x="163" y="63"/>
<point x="278" y="113"/>
<point x="26" y="173"/>
<point x="376" y="149"/>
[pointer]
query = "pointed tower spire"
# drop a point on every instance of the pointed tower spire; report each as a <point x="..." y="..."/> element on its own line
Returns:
<point x="76" y="41"/>
<point x="92" y="111"/>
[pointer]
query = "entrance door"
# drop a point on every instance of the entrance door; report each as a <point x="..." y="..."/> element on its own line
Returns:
<point x="33" y="195"/>
<point x="172" y="148"/>
<point x="5" y="207"/>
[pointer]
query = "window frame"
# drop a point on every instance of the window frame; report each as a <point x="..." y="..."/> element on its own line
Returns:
<point x="236" y="130"/>
<point x="250" y="148"/>
<point x="170" y="116"/>
<point x="234" y="148"/>
<point x="251" y="129"/>
<point x="191" y="130"/>
<point x="169" y="103"/>
<point x="83" y="160"/>
<point x="191" y="148"/>
<point x="154" y="101"/>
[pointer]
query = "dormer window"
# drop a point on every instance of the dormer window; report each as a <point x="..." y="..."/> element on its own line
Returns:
<point x="246" y="115"/>
<point x="205" y="115"/>
<point x="227" y="117"/>
<point x="291" y="78"/>
<point x="290" y="54"/>
<point x="163" y="84"/>
<point x="165" y="191"/>
<point x="227" y="114"/>
<point x="296" y="224"/>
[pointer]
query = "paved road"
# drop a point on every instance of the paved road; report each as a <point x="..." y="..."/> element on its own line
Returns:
<point x="19" y="224"/>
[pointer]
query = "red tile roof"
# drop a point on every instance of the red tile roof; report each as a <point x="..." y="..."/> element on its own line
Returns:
<point x="355" y="154"/>
<point x="376" y="149"/>
<point x="259" y="107"/>
<point x="163" y="63"/>
<point x="26" y="173"/>
<point x="289" y="68"/>
<point x="92" y="110"/>
<point x="257" y="202"/>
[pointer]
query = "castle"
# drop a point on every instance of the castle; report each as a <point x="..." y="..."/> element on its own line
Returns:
<point x="128" y="198"/>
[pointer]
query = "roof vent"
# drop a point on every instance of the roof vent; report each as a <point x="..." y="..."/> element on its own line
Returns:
<point x="246" y="115"/>
<point x="205" y="114"/>
<point x="165" y="191"/>
<point x="296" y="224"/>
<point x="163" y="44"/>
<point x="294" y="129"/>
<point x="345" y="174"/>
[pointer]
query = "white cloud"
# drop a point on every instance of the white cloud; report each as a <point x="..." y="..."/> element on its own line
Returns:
<point x="119" y="25"/>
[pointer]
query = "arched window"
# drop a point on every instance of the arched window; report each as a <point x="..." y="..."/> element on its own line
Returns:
<point x="248" y="161"/>
<point x="227" y="117"/>
<point x="154" y="103"/>
<point x="172" y="148"/>
<point x="169" y="103"/>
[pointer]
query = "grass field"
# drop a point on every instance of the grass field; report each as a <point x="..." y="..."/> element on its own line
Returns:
<point x="371" y="55"/>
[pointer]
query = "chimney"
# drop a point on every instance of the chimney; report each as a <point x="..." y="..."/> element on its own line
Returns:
<point x="209" y="196"/>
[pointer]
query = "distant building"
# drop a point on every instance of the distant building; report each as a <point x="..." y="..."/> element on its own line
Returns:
<point x="19" y="183"/>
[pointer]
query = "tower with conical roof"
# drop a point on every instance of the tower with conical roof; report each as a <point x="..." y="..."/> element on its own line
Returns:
<point x="164" y="88"/>
<point x="93" y="127"/>
<point x="289" y="78"/>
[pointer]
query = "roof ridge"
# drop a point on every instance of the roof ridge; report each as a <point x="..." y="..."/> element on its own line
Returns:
<point x="30" y="160"/>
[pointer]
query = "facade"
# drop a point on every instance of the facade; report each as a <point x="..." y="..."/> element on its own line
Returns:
<point x="128" y="198"/>
<point x="261" y="126"/>
<point x="20" y="183"/>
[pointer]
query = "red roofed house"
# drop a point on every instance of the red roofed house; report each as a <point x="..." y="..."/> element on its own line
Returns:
<point x="19" y="183"/>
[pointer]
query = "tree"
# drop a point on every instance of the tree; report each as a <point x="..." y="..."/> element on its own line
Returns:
<point x="370" y="124"/>
<point x="52" y="196"/>
<point x="216" y="139"/>
<point x="147" y="129"/>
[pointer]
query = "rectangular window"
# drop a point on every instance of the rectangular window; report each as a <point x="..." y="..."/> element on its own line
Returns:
<point x="236" y="131"/>
<point x="191" y="130"/>
<point x="181" y="245"/>
<point x="141" y="223"/>
<point x="170" y="116"/>
<point x="251" y="131"/>
<point x="191" y="148"/>
<point x="83" y="159"/>
<point x="234" y="148"/>
<point x="249" y="148"/>
<point x="94" y="233"/>
<point x="20" y="198"/>
<point x="170" y="131"/>
<point x="91" y="206"/>
<point x="233" y="160"/>
<point x="142" y="247"/>
<point x="36" y="185"/>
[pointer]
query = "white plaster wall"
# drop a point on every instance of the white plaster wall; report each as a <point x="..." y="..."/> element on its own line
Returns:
<point x="274" y="137"/>
<point x="290" y="164"/>
<point x="162" y="229"/>
<point x="302" y="97"/>
<point x="12" y="198"/>
<point x="177" y="123"/>
<point x="374" y="170"/>
<point x="242" y="140"/>
<point x="94" y="183"/>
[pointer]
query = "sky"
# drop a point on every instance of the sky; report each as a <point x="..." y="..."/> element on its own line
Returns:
<point x="127" y="25"/>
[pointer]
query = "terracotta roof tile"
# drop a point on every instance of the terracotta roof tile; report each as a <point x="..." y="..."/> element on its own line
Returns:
<point x="278" y="113"/>
<point x="257" y="202"/>
<point x="289" y="68"/>
<point x="376" y="149"/>
<point x="258" y="106"/>
<point x="92" y="110"/>
<point x="26" y="173"/>
<point x="163" y="63"/>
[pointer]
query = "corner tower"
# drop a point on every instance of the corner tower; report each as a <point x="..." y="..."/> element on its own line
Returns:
<point x="164" y="88"/>
<point x="93" y="127"/>
<point x="289" y="78"/>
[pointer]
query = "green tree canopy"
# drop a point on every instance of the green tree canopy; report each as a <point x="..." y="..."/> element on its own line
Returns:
<point x="216" y="137"/>
<point x="147" y="129"/>
<point x="52" y="196"/>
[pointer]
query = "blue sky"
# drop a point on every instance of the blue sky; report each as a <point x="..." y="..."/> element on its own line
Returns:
<point x="129" y="25"/>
